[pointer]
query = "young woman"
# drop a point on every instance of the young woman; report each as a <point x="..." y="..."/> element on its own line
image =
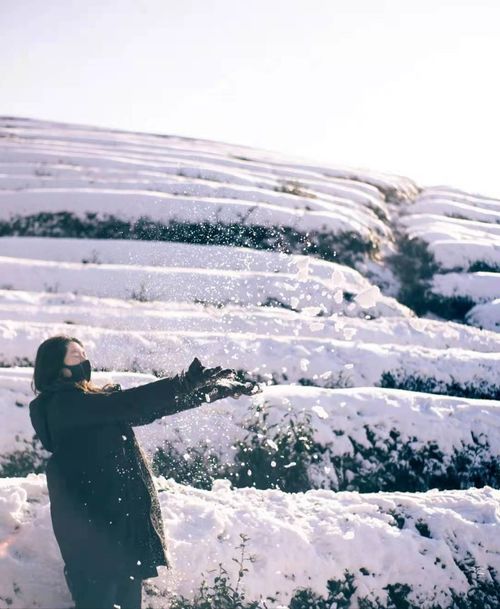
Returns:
<point x="104" y="507"/>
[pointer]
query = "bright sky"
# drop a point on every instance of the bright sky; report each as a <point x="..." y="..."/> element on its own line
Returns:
<point x="404" y="86"/>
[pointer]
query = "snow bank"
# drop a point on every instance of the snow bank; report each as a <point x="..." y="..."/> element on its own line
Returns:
<point x="127" y="148"/>
<point x="437" y="544"/>
<point x="455" y="243"/>
<point x="485" y="315"/>
<point x="478" y="287"/>
<point x="143" y="307"/>
<point x="188" y="284"/>
<point x="181" y="317"/>
<point x="326" y="362"/>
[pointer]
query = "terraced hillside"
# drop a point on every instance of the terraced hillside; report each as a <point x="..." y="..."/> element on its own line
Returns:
<point x="366" y="306"/>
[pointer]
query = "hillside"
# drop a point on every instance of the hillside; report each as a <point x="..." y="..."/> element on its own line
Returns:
<point x="367" y="306"/>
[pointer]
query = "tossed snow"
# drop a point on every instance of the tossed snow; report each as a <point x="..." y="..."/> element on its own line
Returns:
<point x="181" y="317"/>
<point x="177" y="255"/>
<point x="157" y="271"/>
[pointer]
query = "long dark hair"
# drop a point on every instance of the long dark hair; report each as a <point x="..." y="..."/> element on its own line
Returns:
<point x="49" y="362"/>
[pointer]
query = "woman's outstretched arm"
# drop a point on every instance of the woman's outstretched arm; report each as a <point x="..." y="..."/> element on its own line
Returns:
<point x="135" y="406"/>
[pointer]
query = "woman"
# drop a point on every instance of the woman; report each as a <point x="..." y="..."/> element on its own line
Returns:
<point x="104" y="507"/>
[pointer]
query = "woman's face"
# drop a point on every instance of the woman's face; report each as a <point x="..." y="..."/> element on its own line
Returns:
<point x="74" y="355"/>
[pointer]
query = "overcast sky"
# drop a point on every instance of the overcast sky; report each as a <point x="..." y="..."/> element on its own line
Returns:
<point x="404" y="86"/>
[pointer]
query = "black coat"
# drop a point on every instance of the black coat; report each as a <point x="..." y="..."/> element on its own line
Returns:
<point x="104" y="506"/>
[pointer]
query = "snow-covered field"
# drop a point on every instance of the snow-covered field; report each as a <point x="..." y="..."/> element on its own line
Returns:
<point x="154" y="249"/>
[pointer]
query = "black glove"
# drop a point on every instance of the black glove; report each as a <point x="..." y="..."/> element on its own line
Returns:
<point x="198" y="376"/>
<point x="229" y="387"/>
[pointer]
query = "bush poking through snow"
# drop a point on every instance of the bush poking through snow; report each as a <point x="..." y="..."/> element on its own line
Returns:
<point x="286" y="457"/>
<point x="282" y="461"/>
<point x="294" y="187"/>
<point x="399" y="379"/>
<point x="197" y="467"/>
<point x="397" y="464"/>
<point x="454" y="308"/>
<point x="264" y="462"/>
<point x="220" y="594"/>
<point x="347" y="247"/>
<point x="414" y="265"/>
<point x="20" y="463"/>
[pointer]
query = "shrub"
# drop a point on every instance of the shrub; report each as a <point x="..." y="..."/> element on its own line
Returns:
<point x="399" y="379"/>
<point x="197" y="467"/>
<point x="20" y="463"/>
<point x="483" y="266"/>
<point x="345" y="247"/>
<point x="453" y="308"/>
<point x="281" y="462"/>
<point x="414" y="265"/>
<point x="285" y="456"/>
<point x="221" y="594"/>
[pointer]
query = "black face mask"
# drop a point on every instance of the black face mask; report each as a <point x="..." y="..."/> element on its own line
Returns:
<point x="80" y="371"/>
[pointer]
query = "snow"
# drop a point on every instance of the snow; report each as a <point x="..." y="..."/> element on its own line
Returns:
<point x="479" y="287"/>
<point x="485" y="315"/>
<point x="456" y="243"/>
<point x="296" y="539"/>
<point x="368" y="298"/>
<point x="168" y="254"/>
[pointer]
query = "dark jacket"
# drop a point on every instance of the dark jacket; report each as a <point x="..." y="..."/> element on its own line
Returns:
<point x="104" y="506"/>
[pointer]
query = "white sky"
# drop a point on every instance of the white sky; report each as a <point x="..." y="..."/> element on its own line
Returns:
<point x="405" y="86"/>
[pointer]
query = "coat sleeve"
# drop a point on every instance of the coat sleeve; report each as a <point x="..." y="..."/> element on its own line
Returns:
<point x="136" y="406"/>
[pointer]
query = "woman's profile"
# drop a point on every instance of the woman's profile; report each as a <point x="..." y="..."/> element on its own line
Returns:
<point x="104" y="507"/>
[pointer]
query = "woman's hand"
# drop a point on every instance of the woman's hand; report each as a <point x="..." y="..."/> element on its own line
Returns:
<point x="229" y="386"/>
<point x="198" y="376"/>
<point x="211" y="384"/>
